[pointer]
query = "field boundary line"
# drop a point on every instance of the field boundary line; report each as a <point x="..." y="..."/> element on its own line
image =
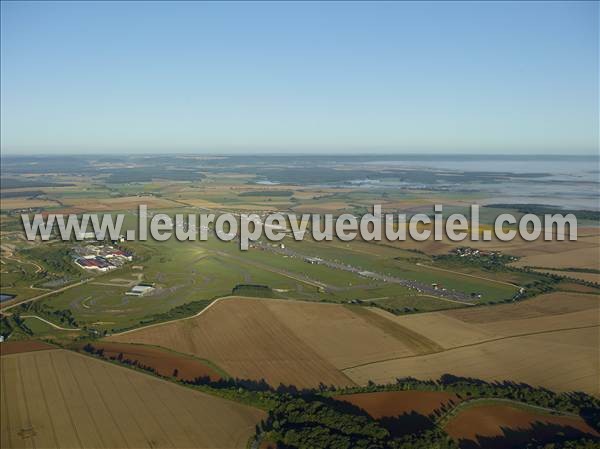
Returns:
<point x="468" y="275"/>
<point x="469" y="345"/>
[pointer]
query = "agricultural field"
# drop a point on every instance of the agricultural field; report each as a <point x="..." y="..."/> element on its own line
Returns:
<point x="160" y="361"/>
<point x="382" y="404"/>
<point x="332" y="316"/>
<point x="549" y="341"/>
<point x="580" y="275"/>
<point x="240" y="333"/>
<point x="524" y="341"/>
<point x="16" y="347"/>
<point x="247" y="340"/>
<point x="504" y="426"/>
<point x="56" y="398"/>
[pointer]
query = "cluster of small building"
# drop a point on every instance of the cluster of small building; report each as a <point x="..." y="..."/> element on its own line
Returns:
<point x="474" y="252"/>
<point x="100" y="257"/>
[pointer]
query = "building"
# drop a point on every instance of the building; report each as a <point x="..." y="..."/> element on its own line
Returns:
<point x="94" y="263"/>
<point x="140" y="290"/>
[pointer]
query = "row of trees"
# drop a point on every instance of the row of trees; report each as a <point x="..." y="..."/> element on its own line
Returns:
<point x="64" y="316"/>
<point x="316" y="422"/>
<point x="311" y="418"/>
<point x="466" y="388"/>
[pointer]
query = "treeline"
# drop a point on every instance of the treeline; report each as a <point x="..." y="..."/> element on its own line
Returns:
<point x="491" y="262"/>
<point x="14" y="326"/>
<point x="313" y="419"/>
<point x="64" y="316"/>
<point x="317" y="422"/>
<point x="255" y="290"/>
<point x="56" y="259"/>
<point x="90" y="349"/>
<point x="579" y="443"/>
<point x="588" y="407"/>
<point x="180" y="311"/>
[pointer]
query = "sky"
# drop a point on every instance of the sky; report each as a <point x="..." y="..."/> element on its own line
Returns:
<point x="299" y="77"/>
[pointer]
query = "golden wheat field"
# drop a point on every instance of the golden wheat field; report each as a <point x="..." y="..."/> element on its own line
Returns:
<point x="57" y="398"/>
<point x="549" y="341"/>
<point x="247" y="340"/>
<point x="304" y="343"/>
<point x="284" y="341"/>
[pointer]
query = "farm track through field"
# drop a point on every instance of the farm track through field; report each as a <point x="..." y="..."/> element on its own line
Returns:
<point x="479" y="343"/>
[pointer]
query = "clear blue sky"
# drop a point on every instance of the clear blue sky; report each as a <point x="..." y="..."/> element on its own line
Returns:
<point x="299" y="77"/>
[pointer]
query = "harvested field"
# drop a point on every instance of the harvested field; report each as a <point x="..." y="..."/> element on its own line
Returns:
<point x="347" y="336"/>
<point x="304" y="343"/>
<point x="582" y="253"/>
<point x="24" y="203"/>
<point x="197" y="202"/>
<point x="458" y="327"/>
<point x="75" y="205"/>
<point x="561" y="360"/>
<point x="551" y="304"/>
<point x="63" y="399"/>
<point x="578" y="288"/>
<point x="246" y="339"/>
<point x="505" y="427"/>
<point x="447" y="331"/>
<point x="395" y="403"/>
<point x="321" y="208"/>
<point x="16" y="347"/>
<point x="588" y="277"/>
<point x="581" y="257"/>
<point x="416" y="341"/>
<point x="163" y="361"/>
